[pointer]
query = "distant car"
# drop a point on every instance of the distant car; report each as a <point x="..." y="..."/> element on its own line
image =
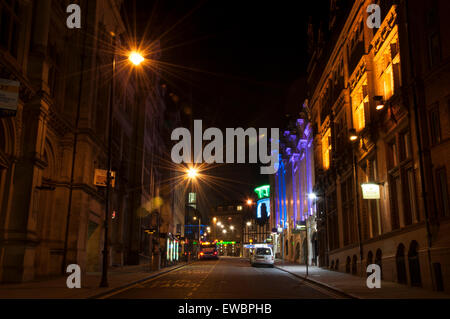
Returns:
<point x="262" y="256"/>
<point x="208" y="252"/>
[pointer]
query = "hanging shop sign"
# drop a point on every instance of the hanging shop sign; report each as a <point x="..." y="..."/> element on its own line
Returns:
<point x="9" y="97"/>
<point x="100" y="178"/>
<point x="370" y="191"/>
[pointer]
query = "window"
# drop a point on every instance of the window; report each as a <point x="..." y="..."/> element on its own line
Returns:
<point x="392" y="154"/>
<point x="360" y="100"/>
<point x="411" y="187"/>
<point x="396" y="201"/>
<point x="9" y="26"/>
<point x="405" y="147"/>
<point x="326" y="149"/>
<point x="443" y="203"/>
<point x="435" y="127"/>
<point x="387" y="68"/>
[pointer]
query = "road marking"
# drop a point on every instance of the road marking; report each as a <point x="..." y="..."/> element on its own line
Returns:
<point x="141" y="283"/>
<point x="202" y="280"/>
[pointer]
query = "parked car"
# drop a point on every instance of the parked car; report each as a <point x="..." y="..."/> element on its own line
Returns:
<point x="262" y="256"/>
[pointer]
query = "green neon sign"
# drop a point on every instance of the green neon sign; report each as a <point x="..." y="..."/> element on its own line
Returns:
<point x="227" y="243"/>
<point x="263" y="191"/>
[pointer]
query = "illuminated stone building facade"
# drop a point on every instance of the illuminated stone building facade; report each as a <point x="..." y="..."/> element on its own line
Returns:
<point x="294" y="219"/>
<point x="49" y="151"/>
<point x="388" y="90"/>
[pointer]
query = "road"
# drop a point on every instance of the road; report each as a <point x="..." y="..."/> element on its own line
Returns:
<point x="226" y="278"/>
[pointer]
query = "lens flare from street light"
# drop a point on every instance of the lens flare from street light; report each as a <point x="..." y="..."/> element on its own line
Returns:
<point x="136" y="58"/>
<point x="249" y="202"/>
<point x="312" y="196"/>
<point x="249" y="224"/>
<point x="192" y="172"/>
<point x="224" y="231"/>
<point x="231" y="227"/>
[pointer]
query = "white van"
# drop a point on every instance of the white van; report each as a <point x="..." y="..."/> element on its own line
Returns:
<point x="262" y="256"/>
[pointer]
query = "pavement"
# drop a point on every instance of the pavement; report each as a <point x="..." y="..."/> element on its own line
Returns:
<point x="355" y="286"/>
<point x="118" y="277"/>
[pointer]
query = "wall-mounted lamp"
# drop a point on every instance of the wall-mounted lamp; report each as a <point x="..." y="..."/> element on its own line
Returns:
<point x="379" y="102"/>
<point x="353" y="136"/>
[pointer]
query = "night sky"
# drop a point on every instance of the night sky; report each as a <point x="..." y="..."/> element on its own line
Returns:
<point x="239" y="59"/>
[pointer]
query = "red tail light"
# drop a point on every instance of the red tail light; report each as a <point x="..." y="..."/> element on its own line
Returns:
<point x="215" y="253"/>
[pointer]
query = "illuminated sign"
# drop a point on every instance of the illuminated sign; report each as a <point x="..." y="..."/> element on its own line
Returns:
<point x="263" y="191"/>
<point x="370" y="191"/>
<point x="263" y="208"/>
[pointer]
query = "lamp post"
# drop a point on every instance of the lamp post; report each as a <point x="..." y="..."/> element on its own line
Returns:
<point x="353" y="138"/>
<point x="136" y="59"/>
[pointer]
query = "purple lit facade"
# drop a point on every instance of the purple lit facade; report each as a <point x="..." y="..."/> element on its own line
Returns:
<point x="293" y="208"/>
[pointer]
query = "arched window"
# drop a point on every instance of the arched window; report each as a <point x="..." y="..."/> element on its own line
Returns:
<point x="354" y="265"/>
<point x="414" y="264"/>
<point x="378" y="260"/>
<point x="401" y="265"/>
<point x="348" y="264"/>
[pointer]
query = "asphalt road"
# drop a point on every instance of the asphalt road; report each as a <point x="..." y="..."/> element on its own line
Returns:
<point x="226" y="278"/>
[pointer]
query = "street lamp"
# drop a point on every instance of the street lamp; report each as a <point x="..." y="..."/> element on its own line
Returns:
<point x="353" y="138"/>
<point x="192" y="173"/>
<point x="379" y="102"/>
<point x="232" y="227"/>
<point x="135" y="59"/>
<point x="249" y="224"/>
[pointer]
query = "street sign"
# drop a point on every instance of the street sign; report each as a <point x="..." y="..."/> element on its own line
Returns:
<point x="100" y="178"/>
<point x="370" y="191"/>
<point x="9" y="97"/>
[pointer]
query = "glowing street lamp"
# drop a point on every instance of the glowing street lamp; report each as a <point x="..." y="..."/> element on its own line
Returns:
<point x="249" y="224"/>
<point x="136" y="58"/>
<point x="379" y="102"/>
<point x="249" y="202"/>
<point x="312" y="196"/>
<point x="353" y="135"/>
<point x="192" y="173"/>
<point x="224" y="231"/>
<point x="232" y="227"/>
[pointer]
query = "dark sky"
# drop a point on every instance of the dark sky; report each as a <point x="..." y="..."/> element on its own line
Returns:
<point x="238" y="57"/>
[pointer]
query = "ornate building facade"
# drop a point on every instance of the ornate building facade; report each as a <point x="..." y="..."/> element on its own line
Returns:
<point x="380" y="102"/>
<point x="294" y="219"/>
<point x="51" y="212"/>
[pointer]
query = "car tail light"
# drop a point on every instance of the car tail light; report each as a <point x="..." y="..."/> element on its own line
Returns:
<point x="215" y="253"/>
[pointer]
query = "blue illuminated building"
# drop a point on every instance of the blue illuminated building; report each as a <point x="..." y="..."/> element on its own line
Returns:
<point x="292" y="185"/>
